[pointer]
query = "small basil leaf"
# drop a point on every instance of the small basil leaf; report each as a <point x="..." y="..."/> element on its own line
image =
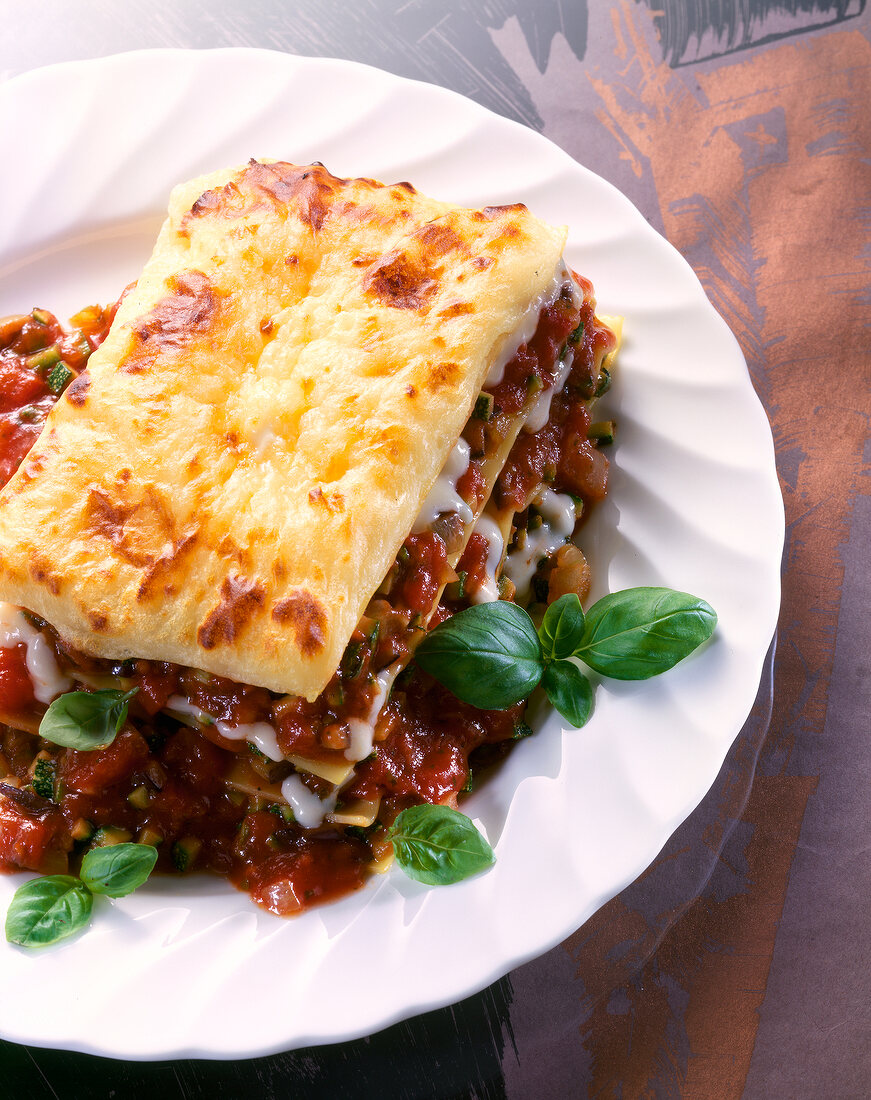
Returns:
<point x="437" y="845"/>
<point x="118" y="869"/>
<point x="562" y="627"/>
<point x="569" y="691"/>
<point x="641" y="632"/>
<point x="48" y="909"/>
<point x="86" y="719"/>
<point x="488" y="655"/>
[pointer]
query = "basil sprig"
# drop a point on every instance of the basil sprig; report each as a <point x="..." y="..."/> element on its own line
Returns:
<point x="49" y="909"/>
<point x="491" y="655"/>
<point x="438" y="845"/>
<point x="86" y="720"/>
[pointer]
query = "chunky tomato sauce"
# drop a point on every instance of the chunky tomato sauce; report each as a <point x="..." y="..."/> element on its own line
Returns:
<point x="211" y="803"/>
<point x="38" y="359"/>
<point x="561" y="453"/>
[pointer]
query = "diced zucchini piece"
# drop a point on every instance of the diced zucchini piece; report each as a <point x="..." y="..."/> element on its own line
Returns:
<point x="602" y="431"/>
<point x="282" y="811"/>
<point x="41" y="316"/>
<point x="483" y="407"/>
<point x="107" y="835"/>
<point x="43" y="776"/>
<point x="185" y="851"/>
<point x="82" y="829"/>
<point x="59" y="378"/>
<point x="82" y="346"/>
<point x="456" y="590"/>
<point x="43" y="361"/>
<point x="603" y="383"/>
<point x="139" y="798"/>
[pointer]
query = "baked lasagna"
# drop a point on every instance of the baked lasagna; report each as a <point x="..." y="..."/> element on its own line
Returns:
<point x="329" y="414"/>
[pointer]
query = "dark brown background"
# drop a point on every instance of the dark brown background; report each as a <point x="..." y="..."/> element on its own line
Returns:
<point x="738" y="965"/>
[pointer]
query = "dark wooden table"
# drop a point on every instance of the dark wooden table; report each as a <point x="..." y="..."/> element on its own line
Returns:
<point x="738" y="965"/>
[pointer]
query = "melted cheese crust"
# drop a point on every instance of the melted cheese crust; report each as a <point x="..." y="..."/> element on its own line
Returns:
<point x="230" y="480"/>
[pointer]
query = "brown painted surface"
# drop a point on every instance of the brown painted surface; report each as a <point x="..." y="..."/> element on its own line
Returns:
<point x="780" y="133"/>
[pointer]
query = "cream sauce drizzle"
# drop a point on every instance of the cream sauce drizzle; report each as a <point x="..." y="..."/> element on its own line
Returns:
<point x="260" y="734"/>
<point x="557" y="512"/>
<point x="308" y="810"/>
<point x="539" y="414"/>
<point x="490" y="530"/>
<point x="525" y="330"/>
<point x="363" y="729"/>
<point x="443" y="496"/>
<point x="47" y="679"/>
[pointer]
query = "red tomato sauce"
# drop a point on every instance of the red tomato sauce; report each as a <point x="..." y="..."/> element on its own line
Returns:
<point x="38" y="360"/>
<point x="560" y="453"/>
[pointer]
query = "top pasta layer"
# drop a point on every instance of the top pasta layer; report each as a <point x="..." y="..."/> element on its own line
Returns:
<point x="230" y="480"/>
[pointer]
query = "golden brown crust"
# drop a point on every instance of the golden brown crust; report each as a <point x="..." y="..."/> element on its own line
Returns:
<point x="230" y="481"/>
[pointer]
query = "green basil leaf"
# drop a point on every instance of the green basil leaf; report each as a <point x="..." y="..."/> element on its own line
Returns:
<point x="118" y="869"/>
<point x="437" y="845"/>
<point x="569" y="691"/>
<point x="562" y="627"/>
<point x="48" y="909"/>
<point x="641" y="632"/>
<point x="86" y="719"/>
<point x="488" y="655"/>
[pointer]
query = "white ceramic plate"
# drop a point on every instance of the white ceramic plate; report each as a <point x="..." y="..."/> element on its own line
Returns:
<point x="191" y="967"/>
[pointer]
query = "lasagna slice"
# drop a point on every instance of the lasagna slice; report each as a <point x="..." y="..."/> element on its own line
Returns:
<point x="329" y="414"/>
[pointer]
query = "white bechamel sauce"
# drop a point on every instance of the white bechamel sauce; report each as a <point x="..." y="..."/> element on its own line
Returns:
<point x="260" y="734"/>
<point x="443" y="496"/>
<point x="491" y="531"/>
<point x="525" y="330"/>
<point x="363" y="729"/>
<point x="539" y="414"/>
<point x="180" y="705"/>
<point x="308" y="810"/>
<point x="557" y="511"/>
<point x="47" y="679"/>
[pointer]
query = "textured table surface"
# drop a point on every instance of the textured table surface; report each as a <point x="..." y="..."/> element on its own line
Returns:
<point x="738" y="964"/>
